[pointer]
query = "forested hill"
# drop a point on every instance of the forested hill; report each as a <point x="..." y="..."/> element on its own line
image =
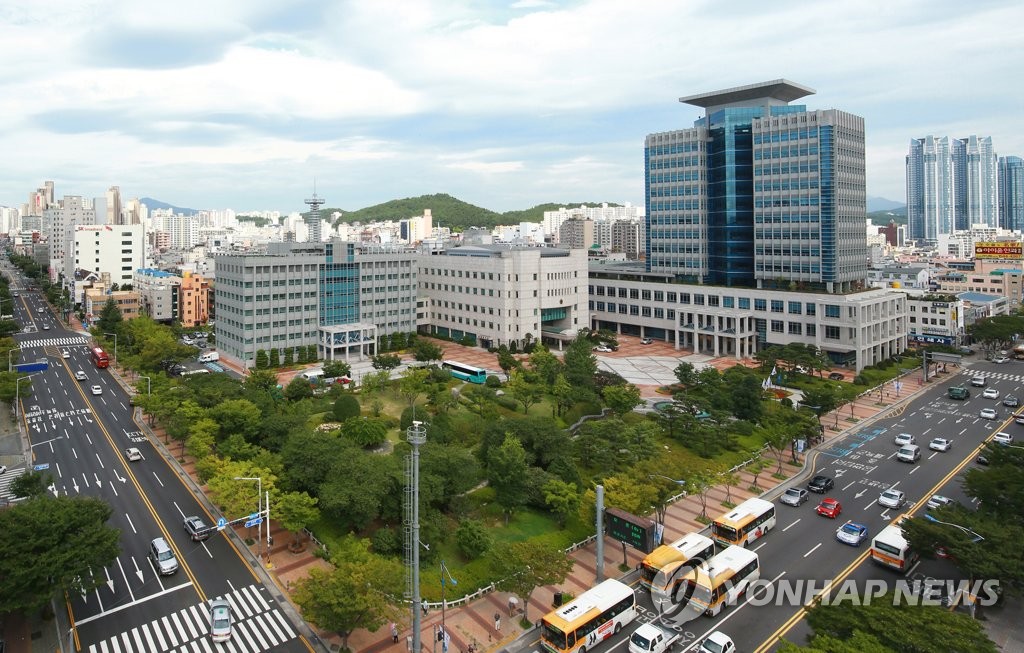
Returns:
<point x="448" y="211"/>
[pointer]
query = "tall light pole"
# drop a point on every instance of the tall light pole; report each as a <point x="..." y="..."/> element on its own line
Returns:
<point x="416" y="435"/>
<point x="149" y="384"/>
<point x="259" y="510"/>
<point x="115" y="345"/>
<point x="9" y="352"/>
<point x="17" y="394"/>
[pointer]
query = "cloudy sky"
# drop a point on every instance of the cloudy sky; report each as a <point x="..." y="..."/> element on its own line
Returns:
<point x="242" y="103"/>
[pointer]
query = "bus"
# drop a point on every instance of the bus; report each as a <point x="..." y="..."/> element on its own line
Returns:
<point x="100" y="357"/>
<point x="745" y="523"/>
<point x="890" y="548"/>
<point x="589" y="619"/>
<point x="465" y="372"/>
<point x="194" y="372"/>
<point x="692" y="548"/>
<point x="723" y="580"/>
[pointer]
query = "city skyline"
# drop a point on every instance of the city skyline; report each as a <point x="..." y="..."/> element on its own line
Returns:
<point x="503" y="107"/>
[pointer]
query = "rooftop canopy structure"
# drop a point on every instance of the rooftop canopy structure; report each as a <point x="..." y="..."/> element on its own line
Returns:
<point x="775" y="92"/>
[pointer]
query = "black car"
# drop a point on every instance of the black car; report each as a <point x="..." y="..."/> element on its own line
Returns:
<point x="821" y="484"/>
<point x="835" y="376"/>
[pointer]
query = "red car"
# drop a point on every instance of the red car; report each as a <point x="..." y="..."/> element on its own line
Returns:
<point x="829" y="508"/>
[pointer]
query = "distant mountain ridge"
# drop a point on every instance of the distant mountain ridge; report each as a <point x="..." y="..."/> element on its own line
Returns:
<point x="157" y="204"/>
<point x="882" y="204"/>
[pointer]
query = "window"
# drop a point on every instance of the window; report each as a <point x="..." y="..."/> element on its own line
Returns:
<point x="728" y="302"/>
<point x="760" y="305"/>
<point x="777" y="326"/>
<point x="776" y="306"/>
<point x="794" y="308"/>
<point x="832" y="333"/>
<point x="812" y="330"/>
<point x="794" y="329"/>
<point x="831" y="310"/>
<point x="744" y="303"/>
<point x="811" y="309"/>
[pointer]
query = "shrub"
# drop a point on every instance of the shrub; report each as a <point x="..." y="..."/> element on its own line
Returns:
<point x="860" y="380"/>
<point x="346" y="407"/>
<point x="386" y="541"/>
<point x="473" y="538"/>
<point x="493" y="381"/>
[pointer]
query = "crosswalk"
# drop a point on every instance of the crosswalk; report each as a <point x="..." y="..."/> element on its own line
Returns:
<point x="5" y="483"/>
<point x="54" y="342"/>
<point x="256" y="626"/>
<point x="997" y="376"/>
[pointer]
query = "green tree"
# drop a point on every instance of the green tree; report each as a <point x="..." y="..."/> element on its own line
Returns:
<point x="524" y="566"/>
<point x="562" y="498"/>
<point x="31" y="484"/>
<point x="580" y="363"/>
<point x="262" y="360"/>
<point x="363" y="590"/>
<point x="289" y="356"/>
<point x="386" y="361"/>
<point x="506" y="361"/>
<point x="295" y="511"/>
<point x="110" y="318"/>
<point x="859" y="642"/>
<point x="473" y="538"/>
<point x="745" y="393"/>
<point x="525" y="390"/>
<point x="563" y="393"/>
<point x="9" y="387"/>
<point x="686" y="374"/>
<point x="622" y="399"/>
<point x="346" y="406"/>
<point x="237" y="416"/>
<point x="311" y="353"/>
<point x="506" y="471"/>
<point x="274" y="358"/>
<point x="413" y="383"/>
<point x="545" y="365"/>
<point x="337" y="369"/>
<point x="51" y="546"/>
<point x="298" y="389"/>
<point x="426" y="351"/>
<point x="357" y="485"/>
<point x="365" y="431"/>
<point x="202" y="438"/>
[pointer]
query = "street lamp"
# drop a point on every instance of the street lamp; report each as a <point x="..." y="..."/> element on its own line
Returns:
<point x="149" y="384"/>
<point x="444" y="631"/>
<point x="974" y="536"/>
<point x="9" y="352"/>
<point x="17" y="393"/>
<point x="259" y="510"/>
<point x="115" y="345"/>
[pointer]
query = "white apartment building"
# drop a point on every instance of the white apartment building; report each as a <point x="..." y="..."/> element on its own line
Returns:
<point x="855" y="329"/>
<point x="117" y="250"/>
<point x="498" y="295"/>
<point x="553" y="220"/>
<point x="900" y="276"/>
<point x="158" y="292"/>
<point x="59" y="222"/>
<point x="935" y="319"/>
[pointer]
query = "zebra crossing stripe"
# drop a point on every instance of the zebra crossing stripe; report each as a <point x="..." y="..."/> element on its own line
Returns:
<point x="242" y="628"/>
<point x="276" y="630"/>
<point x="194" y="612"/>
<point x="284" y="624"/>
<point x="170" y="631"/>
<point x="239" y="607"/>
<point x="177" y="624"/>
<point x="159" y="636"/>
<point x="256" y="598"/>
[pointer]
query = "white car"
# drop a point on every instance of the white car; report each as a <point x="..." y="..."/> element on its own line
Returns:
<point x="940" y="444"/>
<point x="65" y="353"/>
<point x="97" y="389"/>
<point x="603" y="349"/>
<point x="988" y="413"/>
<point x="717" y="642"/>
<point x="892" y="499"/>
<point x="990" y="393"/>
<point x="937" y="501"/>
<point x="1001" y="359"/>
<point x="794" y="496"/>
<point x="132" y="454"/>
<point x="1002" y="438"/>
<point x="905" y="439"/>
<point x="80" y="375"/>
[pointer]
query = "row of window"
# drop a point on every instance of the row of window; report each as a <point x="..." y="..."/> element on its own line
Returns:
<point x="458" y="319"/>
<point x="770" y="202"/>
<point x="786" y="151"/>
<point x="674" y="148"/>
<point x="677" y="190"/>
<point x="676" y="176"/>
<point x="784" y="136"/>
<point x="802" y="183"/>
<point x="785" y="168"/>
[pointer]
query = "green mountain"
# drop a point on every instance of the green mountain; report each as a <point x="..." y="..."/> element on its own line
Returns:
<point x="882" y="218"/>
<point x="447" y="211"/>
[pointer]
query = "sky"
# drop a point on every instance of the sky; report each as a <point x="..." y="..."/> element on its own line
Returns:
<point x="245" y="104"/>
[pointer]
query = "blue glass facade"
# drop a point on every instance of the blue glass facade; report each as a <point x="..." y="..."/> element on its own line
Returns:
<point x="339" y="285"/>
<point x="730" y="221"/>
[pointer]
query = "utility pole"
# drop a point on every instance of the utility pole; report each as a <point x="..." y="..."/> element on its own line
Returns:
<point x="416" y="435"/>
<point x="599" y="530"/>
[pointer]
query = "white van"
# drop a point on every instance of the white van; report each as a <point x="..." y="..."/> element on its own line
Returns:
<point x="209" y="357"/>
<point x="313" y="375"/>
<point x="910" y="453"/>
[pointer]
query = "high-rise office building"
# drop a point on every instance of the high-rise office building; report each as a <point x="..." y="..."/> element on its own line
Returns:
<point x="759" y="193"/>
<point x="974" y="182"/>
<point x="114" y="205"/>
<point x="1011" y="193"/>
<point x="929" y="188"/>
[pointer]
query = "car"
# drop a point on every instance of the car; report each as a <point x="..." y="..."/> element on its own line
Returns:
<point x="988" y="413"/>
<point x="794" y="496"/>
<point x="892" y="499"/>
<point x="937" y="501"/>
<point x="821" y="484"/>
<point x="1011" y="401"/>
<point x="46" y="327"/>
<point x="1001" y="359"/>
<point x="1019" y="418"/>
<point x="1002" y="438"/>
<point x="97" y="389"/>
<point x="603" y="349"/>
<point x="905" y="438"/>
<point x="3" y="469"/>
<point x="717" y="642"/>
<point x="646" y="341"/>
<point x="829" y="508"/>
<point x="132" y="454"/>
<point x="836" y="376"/>
<point x="80" y="376"/>
<point x="197" y="530"/>
<point x="65" y="353"/>
<point x="800" y="369"/>
<point x="852" y="533"/>
<point x="220" y="620"/>
<point x="966" y="351"/>
<point x="978" y="381"/>
<point x="17" y="295"/>
<point x="940" y="444"/>
<point x="990" y="393"/>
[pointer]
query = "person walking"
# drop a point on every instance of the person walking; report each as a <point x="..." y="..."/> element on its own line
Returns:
<point x="513" y="603"/>
<point x="497" y="621"/>
<point x="394" y="632"/>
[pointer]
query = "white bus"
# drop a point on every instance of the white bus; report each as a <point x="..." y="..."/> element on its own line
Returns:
<point x="745" y="523"/>
<point x="722" y="580"/>
<point x="589" y="619"/>
<point x="890" y="548"/>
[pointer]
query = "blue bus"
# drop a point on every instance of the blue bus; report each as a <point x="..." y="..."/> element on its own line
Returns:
<point x="465" y="372"/>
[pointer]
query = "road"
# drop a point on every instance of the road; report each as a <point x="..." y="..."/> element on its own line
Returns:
<point x="79" y="435"/>
<point x="803" y="547"/>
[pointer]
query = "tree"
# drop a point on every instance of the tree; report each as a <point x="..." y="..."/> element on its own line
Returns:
<point x="506" y="361"/>
<point x="506" y="471"/>
<point x="31" y="484"/>
<point x="580" y="363"/>
<point x="473" y="538"/>
<point x="623" y="398"/>
<point x="295" y="511"/>
<point x="545" y="365"/>
<point x="337" y="369"/>
<point x="524" y="566"/>
<point x="562" y="498"/>
<point x="386" y="361"/>
<point x="237" y="416"/>
<point x="859" y="642"/>
<point x="745" y="393"/>
<point x="275" y="358"/>
<point x="299" y="388"/>
<point x="563" y="394"/>
<point x="778" y="439"/>
<point x="9" y="387"/>
<point x="698" y="484"/>
<point x="425" y="351"/>
<point x="365" y="431"/>
<point x="110" y="317"/>
<point x="289" y="356"/>
<point x="262" y="360"/>
<point x="413" y="383"/>
<point x="52" y="545"/>
<point x="362" y="591"/>
<point x="525" y="390"/>
<point x="686" y="374"/>
<point x="346" y="406"/>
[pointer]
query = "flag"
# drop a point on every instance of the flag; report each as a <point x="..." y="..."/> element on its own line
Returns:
<point x="774" y="371"/>
<point x="767" y="382"/>
<point x="447" y="641"/>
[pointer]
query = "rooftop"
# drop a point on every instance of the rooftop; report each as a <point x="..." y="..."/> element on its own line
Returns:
<point x="776" y="91"/>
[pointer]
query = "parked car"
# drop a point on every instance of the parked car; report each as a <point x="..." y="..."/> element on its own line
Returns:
<point x="794" y="496"/>
<point x="937" y="501"/>
<point x="1002" y="438"/>
<point x="988" y="413"/>
<point x="904" y="438"/>
<point x="821" y="484"/>
<point x="940" y="444"/>
<point x="602" y="349"/>
<point x="836" y="376"/>
<point x="829" y="508"/>
<point x="852" y="533"/>
<point x="892" y="499"/>
<point x="646" y="341"/>
<point x="990" y="393"/>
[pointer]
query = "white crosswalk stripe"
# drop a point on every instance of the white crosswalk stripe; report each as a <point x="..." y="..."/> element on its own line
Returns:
<point x="54" y="342"/>
<point x="6" y="479"/>
<point x="256" y="626"/>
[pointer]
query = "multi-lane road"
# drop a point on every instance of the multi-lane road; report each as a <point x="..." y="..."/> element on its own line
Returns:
<point x="803" y="547"/>
<point x="79" y="438"/>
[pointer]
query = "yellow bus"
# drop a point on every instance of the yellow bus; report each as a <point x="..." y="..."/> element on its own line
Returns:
<point x="891" y="549"/>
<point x="724" y="578"/>
<point x="693" y="547"/>
<point x="745" y="523"/>
<point x="589" y="619"/>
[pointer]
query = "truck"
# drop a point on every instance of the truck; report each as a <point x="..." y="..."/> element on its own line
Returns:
<point x="959" y="393"/>
<point x="650" y="638"/>
<point x="209" y="357"/>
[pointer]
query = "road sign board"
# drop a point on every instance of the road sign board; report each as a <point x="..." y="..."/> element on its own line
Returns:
<point x="41" y="467"/>
<point x="222" y="524"/>
<point x="254" y="515"/>
<point x="38" y="366"/>
<point x="253" y="522"/>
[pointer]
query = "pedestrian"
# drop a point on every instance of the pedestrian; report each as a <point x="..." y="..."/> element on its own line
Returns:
<point x="513" y="603"/>
<point x="394" y="632"/>
<point x="497" y="621"/>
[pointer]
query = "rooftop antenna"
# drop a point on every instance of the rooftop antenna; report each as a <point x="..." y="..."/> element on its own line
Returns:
<point x="313" y="219"/>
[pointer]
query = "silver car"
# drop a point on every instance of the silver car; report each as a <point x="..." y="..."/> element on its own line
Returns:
<point x="220" y="620"/>
<point x="892" y="499"/>
<point x="794" y="496"/>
